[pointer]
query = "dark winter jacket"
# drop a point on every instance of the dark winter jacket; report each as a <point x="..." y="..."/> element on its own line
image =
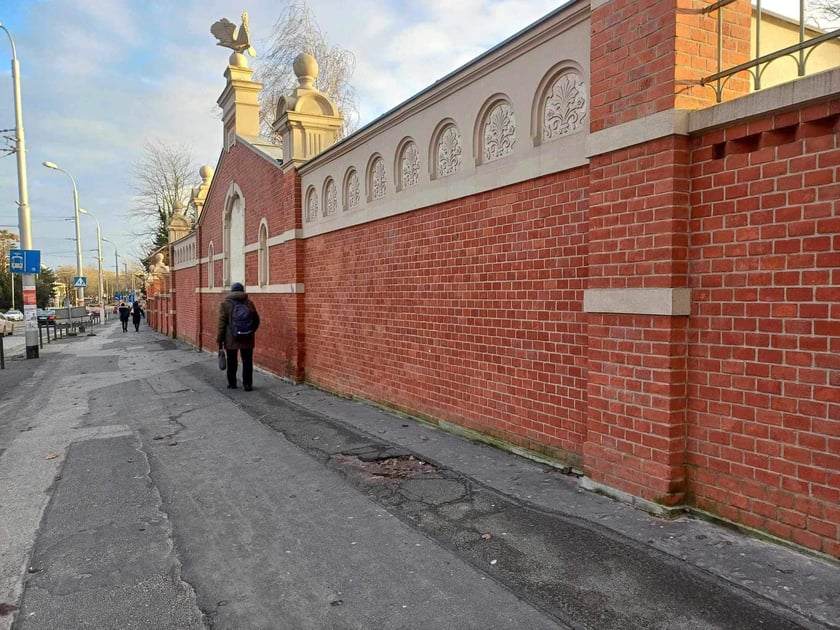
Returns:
<point x="224" y="335"/>
<point x="125" y="312"/>
<point x="137" y="312"/>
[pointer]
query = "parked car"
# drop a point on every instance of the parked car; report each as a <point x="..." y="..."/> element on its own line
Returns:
<point x="14" y="315"/>
<point x="6" y="327"/>
<point x="46" y="317"/>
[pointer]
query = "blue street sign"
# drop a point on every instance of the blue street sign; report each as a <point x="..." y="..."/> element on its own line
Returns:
<point x="25" y="260"/>
<point x="79" y="282"/>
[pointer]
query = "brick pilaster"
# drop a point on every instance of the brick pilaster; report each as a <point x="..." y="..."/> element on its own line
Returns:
<point x="647" y="59"/>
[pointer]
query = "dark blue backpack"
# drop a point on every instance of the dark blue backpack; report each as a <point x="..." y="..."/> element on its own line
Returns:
<point x="241" y="324"/>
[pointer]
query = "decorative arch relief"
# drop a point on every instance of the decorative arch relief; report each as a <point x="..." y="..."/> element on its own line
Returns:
<point x="449" y="151"/>
<point x="311" y="205"/>
<point x="330" y="199"/>
<point x="378" y="180"/>
<point x="498" y="132"/>
<point x="409" y="166"/>
<point x="564" y="106"/>
<point x="352" y="191"/>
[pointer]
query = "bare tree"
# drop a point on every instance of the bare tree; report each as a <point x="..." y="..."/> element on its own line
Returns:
<point x="827" y="10"/>
<point x="295" y="32"/>
<point x="163" y="179"/>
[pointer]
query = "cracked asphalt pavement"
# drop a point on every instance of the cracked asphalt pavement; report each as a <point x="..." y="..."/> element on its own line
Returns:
<point x="137" y="492"/>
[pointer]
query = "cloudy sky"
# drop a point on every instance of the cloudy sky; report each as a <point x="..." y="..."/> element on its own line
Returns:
<point x="99" y="78"/>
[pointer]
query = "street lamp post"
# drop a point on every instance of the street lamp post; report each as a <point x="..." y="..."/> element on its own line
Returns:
<point x="24" y="222"/>
<point x="116" y="266"/>
<point x="123" y="289"/>
<point x="125" y="271"/>
<point x="99" y="258"/>
<point x="80" y="291"/>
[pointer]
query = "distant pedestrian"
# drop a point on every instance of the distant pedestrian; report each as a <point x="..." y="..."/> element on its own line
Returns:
<point x="238" y="323"/>
<point x="137" y="313"/>
<point x="124" y="314"/>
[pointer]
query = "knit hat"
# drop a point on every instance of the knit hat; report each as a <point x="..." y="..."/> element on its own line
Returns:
<point x="237" y="286"/>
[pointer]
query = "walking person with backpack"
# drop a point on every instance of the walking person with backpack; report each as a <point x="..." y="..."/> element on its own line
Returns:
<point x="238" y="321"/>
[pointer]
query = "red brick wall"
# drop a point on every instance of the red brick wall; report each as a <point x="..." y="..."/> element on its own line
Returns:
<point x="185" y="300"/>
<point x="273" y="194"/>
<point x="648" y="56"/>
<point x="638" y="216"/>
<point x="471" y="311"/>
<point x="764" y="337"/>
<point x="636" y="413"/>
<point x="468" y="312"/>
<point x="157" y="306"/>
<point x="638" y="222"/>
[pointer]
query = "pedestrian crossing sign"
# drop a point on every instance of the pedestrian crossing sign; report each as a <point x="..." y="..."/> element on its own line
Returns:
<point x="79" y="282"/>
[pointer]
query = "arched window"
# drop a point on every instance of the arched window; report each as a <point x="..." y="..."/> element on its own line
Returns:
<point x="226" y="247"/>
<point x="211" y="264"/>
<point x="234" y="237"/>
<point x="262" y="272"/>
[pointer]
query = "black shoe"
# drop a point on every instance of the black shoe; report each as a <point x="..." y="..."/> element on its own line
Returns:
<point x="247" y="388"/>
<point x="231" y="386"/>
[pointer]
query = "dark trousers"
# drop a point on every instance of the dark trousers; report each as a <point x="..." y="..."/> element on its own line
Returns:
<point x="124" y="323"/>
<point x="247" y="366"/>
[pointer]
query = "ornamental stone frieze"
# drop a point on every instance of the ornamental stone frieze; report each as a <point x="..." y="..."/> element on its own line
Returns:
<point x="330" y="199"/>
<point x="352" y="191"/>
<point x="565" y="107"/>
<point x="312" y="205"/>
<point x="466" y="131"/>
<point x="449" y="151"/>
<point x="499" y="132"/>
<point x="378" y="179"/>
<point x="409" y="166"/>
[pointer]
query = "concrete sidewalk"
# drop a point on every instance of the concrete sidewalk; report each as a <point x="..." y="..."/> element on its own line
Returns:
<point x="793" y="579"/>
<point x="405" y="517"/>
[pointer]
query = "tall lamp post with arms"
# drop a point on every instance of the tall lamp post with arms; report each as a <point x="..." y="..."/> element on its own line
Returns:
<point x="116" y="266"/>
<point x="80" y="292"/>
<point x="24" y="222"/>
<point x="99" y="258"/>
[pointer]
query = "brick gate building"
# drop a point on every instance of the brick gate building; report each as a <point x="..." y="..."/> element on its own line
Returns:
<point x="566" y="247"/>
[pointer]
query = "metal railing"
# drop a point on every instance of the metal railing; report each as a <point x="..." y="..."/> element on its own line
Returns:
<point x="58" y="329"/>
<point x="800" y="52"/>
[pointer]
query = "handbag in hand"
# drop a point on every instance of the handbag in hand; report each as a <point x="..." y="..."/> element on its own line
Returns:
<point x="222" y="359"/>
